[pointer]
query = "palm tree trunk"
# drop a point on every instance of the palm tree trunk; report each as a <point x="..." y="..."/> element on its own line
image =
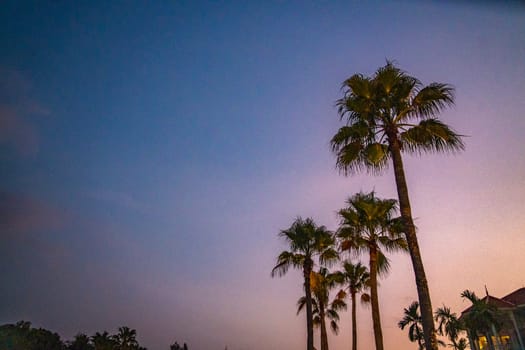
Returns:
<point x="473" y="340"/>
<point x="423" y="292"/>
<point x="376" y="320"/>
<point x="324" y="335"/>
<point x="489" y="341"/>
<point x="307" y="269"/>
<point x="354" y="321"/>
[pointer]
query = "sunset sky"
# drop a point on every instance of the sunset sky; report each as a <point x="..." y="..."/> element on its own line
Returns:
<point x="151" y="151"/>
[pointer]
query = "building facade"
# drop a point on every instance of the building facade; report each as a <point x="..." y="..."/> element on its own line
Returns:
<point x="507" y="332"/>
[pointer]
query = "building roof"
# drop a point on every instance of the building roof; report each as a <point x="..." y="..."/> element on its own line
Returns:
<point x="517" y="297"/>
<point x="498" y="303"/>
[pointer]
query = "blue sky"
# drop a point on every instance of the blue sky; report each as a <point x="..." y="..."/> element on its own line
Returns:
<point x="151" y="152"/>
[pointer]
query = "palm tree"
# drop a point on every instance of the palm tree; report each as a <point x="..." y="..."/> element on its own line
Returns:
<point x="368" y="225"/>
<point x="449" y="325"/>
<point x="127" y="338"/>
<point x="387" y="114"/>
<point x="321" y="284"/>
<point x="306" y="241"/>
<point x="480" y="318"/>
<point x="103" y="341"/>
<point x="412" y="318"/>
<point x="176" y="346"/>
<point x="357" y="278"/>
<point x="331" y="312"/>
<point x="80" y="342"/>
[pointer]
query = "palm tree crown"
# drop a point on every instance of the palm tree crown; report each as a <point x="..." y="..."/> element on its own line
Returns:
<point x="368" y="223"/>
<point x="450" y="326"/>
<point x="127" y="338"/>
<point x="103" y="341"/>
<point x="306" y="240"/>
<point x="391" y="105"/>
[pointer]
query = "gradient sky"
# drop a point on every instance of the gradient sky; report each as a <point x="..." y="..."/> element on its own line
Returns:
<point x="150" y="152"/>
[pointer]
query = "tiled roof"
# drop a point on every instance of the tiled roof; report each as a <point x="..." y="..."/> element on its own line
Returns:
<point x="499" y="303"/>
<point x="517" y="297"/>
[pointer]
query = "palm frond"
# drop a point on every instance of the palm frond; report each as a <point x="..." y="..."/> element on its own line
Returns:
<point x="357" y="149"/>
<point x="341" y="294"/>
<point x="470" y="295"/>
<point x="301" y="303"/>
<point x="334" y="326"/>
<point x="350" y="133"/>
<point x="431" y="135"/>
<point x="376" y="155"/>
<point x="383" y="264"/>
<point x="328" y="256"/>
<point x="393" y="244"/>
<point x="349" y="158"/>
<point x="432" y="99"/>
<point x="285" y="260"/>
<point x="339" y="304"/>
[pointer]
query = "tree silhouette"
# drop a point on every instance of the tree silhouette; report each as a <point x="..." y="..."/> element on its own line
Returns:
<point x="412" y="319"/>
<point x="306" y="240"/>
<point x="481" y="317"/>
<point x="321" y="284"/>
<point x="388" y="114"/>
<point x="367" y="225"/>
<point x="81" y="342"/>
<point x="450" y="326"/>
<point x="21" y="336"/>
<point x="176" y="346"/>
<point x="103" y="341"/>
<point x="356" y="278"/>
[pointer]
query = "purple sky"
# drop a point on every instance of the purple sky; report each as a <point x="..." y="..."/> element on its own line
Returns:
<point x="151" y="152"/>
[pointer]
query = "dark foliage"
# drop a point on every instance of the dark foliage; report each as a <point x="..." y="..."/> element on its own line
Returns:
<point x="21" y="336"/>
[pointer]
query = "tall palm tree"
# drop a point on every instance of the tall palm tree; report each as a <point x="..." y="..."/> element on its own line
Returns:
<point x="449" y="325"/>
<point x="481" y="318"/>
<point x="412" y="319"/>
<point x="388" y="114"/>
<point x="368" y="225"/>
<point x="357" y="278"/>
<point x="306" y="241"/>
